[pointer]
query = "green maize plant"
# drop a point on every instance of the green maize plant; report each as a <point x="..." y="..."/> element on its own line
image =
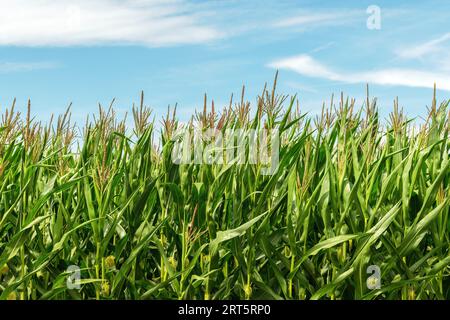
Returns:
<point x="351" y="192"/>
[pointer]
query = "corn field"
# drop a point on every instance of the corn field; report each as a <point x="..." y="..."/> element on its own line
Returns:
<point x="352" y="191"/>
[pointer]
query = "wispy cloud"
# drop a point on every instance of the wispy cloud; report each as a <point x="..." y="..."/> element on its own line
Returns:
<point x="424" y="49"/>
<point x="308" y="66"/>
<point x="313" y="19"/>
<point x="10" y="67"/>
<point x="323" y="47"/>
<point x="84" y="22"/>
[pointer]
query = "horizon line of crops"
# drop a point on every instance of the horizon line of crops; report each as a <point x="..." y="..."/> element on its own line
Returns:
<point x="350" y="191"/>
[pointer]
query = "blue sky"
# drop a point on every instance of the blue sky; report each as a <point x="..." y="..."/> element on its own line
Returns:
<point x="89" y="52"/>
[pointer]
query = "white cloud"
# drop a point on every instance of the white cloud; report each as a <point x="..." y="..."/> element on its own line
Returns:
<point x="421" y="50"/>
<point x="303" y="19"/>
<point x="407" y="77"/>
<point x="84" y="22"/>
<point x="8" y="67"/>
<point x="307" y="66"/>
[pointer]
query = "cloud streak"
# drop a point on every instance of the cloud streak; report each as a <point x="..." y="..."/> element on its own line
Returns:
<point x="10" y="67"/>
<point x="424" y="49"/>
<point x="313" y="19"/>
<point x="307" y="66"/>
<point x="151" y="23"/>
